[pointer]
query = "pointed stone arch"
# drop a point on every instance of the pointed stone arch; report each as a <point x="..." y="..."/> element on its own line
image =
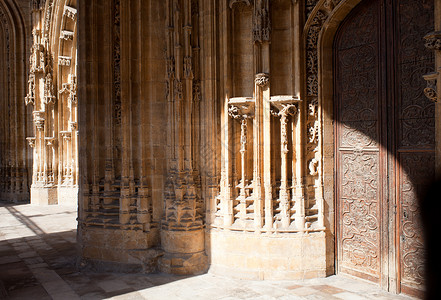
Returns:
<point x="53" y="97"/>
<point x="14" y="157"/>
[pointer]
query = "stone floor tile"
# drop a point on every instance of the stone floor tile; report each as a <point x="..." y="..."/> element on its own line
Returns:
<point x="349" y="296"/>
<point x="129" y="296"/>
<point x="113" y="285"/>
<point x="304" y="291"/>
<point x="58" y="274"/>
<point x="33" y="292"/>
<point x="328" y="289"/>
<point x="28" y="254"/>
<point x="9" y="259"/>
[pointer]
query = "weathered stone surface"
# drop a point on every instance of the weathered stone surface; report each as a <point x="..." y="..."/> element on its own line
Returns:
<point x="192" y="135"/>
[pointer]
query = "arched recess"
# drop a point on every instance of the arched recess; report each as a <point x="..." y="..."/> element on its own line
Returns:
<point x="52" y="94"/>
<point x="320" y="32"/>
<point x="14" y="157"/>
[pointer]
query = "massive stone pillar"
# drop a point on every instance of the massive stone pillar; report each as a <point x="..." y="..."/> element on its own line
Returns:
<point x="15" y="159"/>
<point x="52" y="95"/>
<point x="122" y="133"/>
<point x="182" y="235"/>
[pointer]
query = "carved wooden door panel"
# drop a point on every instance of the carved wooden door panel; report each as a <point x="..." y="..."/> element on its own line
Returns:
<point x="384" y="139"/>
<point x="360" y="159"/>
<point x="415" y="135"/>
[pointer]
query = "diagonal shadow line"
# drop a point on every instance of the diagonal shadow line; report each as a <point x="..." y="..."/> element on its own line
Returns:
<point x="25" y="220"/>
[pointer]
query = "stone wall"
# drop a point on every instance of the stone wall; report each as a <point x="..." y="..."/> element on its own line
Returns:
<point x="15" y="159"/>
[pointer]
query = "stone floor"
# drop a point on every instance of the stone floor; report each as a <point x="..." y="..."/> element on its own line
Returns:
<point x="38" y="256"/>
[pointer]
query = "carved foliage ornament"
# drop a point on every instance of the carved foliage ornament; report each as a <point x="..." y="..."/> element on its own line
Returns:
<point x="433" y="40"/>
<point x="262" y="79"/>
<point x="430" y="90"/>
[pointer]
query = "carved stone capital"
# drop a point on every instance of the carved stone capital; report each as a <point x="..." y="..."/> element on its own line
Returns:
<point x="433" y="40"/>
<point x="262" y="79"/>
<point x="430" y="90"/>
<point x="31" y="141"/>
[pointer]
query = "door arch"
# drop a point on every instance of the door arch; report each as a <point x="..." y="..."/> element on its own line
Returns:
<point x="384" y="141"/>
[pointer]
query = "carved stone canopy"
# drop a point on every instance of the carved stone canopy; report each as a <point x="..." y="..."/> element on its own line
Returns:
<point x="241" y="107"/>
<point x="70" y="12"/>
<point x="232" y="2"/>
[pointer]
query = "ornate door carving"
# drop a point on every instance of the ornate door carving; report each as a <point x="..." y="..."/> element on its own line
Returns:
<point x="359" y="156"/>
<point x="384" y="138"/>
<point x="415" y="138"/>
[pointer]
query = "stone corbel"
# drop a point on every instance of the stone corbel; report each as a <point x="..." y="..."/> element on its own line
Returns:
<point x="430" y="90"/>
<point x="285" y="105"/>
<point x="241" y="108"/>
<point x="433" y="40"/>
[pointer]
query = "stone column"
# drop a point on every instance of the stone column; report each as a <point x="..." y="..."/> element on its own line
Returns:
<point x="182" y="227"/>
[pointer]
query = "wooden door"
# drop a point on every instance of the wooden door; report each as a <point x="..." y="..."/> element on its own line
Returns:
<point x="384" y="140"/>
